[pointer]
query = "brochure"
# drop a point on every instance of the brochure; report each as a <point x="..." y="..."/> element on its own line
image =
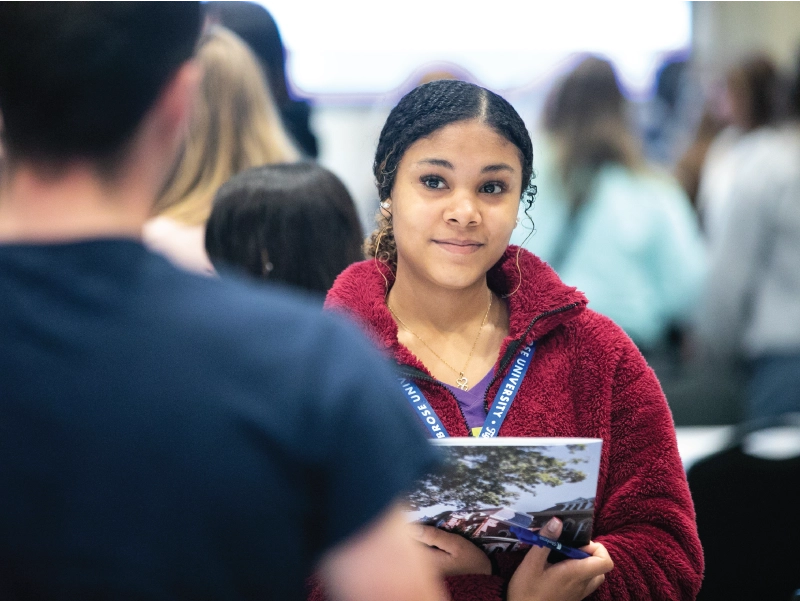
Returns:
<point x="490" y="484"/>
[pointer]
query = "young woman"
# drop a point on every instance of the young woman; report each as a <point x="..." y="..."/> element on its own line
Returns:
<point x="455" y="306"/>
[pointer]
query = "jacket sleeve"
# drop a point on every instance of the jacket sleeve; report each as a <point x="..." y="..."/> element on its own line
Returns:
<point x="474" y="587"/>
<point x="645" y="516"/>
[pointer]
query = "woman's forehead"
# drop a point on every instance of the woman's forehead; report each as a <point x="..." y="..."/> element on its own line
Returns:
<point x="464" y="142"/>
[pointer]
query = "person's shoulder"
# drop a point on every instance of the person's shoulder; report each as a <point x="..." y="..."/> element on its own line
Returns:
<point x="605" y="346"/>
<point x="182" y="244"/>
<point x="626" y="186"/>
<point x="359" y="283"/>
<point x="595" y="332"/>
<point x="656" y="192"/>
<point x="240" y="315"/>
<point x="772" y="149"/>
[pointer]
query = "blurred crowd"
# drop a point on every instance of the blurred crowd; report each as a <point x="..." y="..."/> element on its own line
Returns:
<point x="679" y="217"/>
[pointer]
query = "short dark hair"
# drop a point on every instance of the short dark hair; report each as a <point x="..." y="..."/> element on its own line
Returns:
<point x="76" y="78"/>
<point x="301" y="214"/>
<point x="421" y="112"/>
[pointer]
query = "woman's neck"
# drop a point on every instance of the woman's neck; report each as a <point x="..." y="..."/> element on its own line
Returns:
<point x="431" y="307"/>
<point x="452" y="332"/>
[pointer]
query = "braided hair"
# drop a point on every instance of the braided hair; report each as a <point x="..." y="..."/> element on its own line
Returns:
<point x="420" y="113"/>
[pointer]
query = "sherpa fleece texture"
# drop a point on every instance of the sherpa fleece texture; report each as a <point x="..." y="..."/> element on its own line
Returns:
<point x="587" y="379"/>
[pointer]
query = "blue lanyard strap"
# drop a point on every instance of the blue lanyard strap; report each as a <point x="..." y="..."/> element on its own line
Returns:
<point x="507" y="393"/>
<point x="497" y="412"/>
<point x="425" y="412"/>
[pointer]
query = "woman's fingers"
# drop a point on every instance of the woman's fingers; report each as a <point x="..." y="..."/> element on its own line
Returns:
<point x="569" y="580"/>
<point x="429" y="535"/>
<point x="594" y="584"/>
<point x="451" y="553"/>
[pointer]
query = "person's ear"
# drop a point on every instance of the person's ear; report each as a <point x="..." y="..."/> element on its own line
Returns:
<point x="386" y="206"/>
<point x="175" y="103"/>
<point x="163" y="129"/>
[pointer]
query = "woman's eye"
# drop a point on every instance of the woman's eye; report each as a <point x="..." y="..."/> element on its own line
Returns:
<point x="492" y="188"/>
<point x="435" y="183"/>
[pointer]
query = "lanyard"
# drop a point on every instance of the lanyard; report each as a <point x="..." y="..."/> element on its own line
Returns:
<point x="497" y="412"/>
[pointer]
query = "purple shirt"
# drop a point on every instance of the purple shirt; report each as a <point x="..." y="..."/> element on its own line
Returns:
<point x="471" y="402"/>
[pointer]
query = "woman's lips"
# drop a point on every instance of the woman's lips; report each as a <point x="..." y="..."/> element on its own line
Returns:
<point x="458" y="247"/>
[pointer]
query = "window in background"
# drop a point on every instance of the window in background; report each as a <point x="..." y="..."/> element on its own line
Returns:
<point x="353" y="49"/>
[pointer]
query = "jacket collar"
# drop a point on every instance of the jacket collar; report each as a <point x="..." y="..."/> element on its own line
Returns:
<point x="539" y="301"/>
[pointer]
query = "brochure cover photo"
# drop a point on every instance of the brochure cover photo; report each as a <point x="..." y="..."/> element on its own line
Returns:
<point x="490" y="484"/>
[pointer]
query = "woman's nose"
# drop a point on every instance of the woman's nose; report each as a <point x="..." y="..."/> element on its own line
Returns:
<point x="463" y="210"/>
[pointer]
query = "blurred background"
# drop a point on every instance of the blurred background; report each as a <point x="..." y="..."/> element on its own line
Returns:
<point x="354" y="59"/>
<point x="666" y="142"/>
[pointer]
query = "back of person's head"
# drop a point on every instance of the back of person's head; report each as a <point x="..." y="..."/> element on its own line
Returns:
<point x="754" y="88"/>
<point x="585" y="114"/>
<point x="77" y="78"/>
<point x="291" y="223"/>
<point x="254" y="24"/>
<point x="670" y="81"/>
<point x="234" y="125"/>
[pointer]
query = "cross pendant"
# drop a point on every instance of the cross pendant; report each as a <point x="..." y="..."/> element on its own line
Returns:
<point x="461" y="382"/>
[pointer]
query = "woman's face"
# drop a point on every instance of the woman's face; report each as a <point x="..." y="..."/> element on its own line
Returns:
<point x="454" y="204"/>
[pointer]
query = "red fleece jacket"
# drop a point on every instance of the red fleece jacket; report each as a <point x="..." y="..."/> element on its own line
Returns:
<point x="587" y="379"/>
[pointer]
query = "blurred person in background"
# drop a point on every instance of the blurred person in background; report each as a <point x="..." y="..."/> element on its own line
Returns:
<point x="161" y="436"/>
<point x="752" y="305"/>
<point x="750" y="102"/>
<point x="607" y="223"/>
<point x="457" y="308"/>
<point x="234" y="125"/>
<point x="668" y="114"/>
<point x="290" y="223"/>
<point x="690" y="164"/>
<point x="254" y="24"/>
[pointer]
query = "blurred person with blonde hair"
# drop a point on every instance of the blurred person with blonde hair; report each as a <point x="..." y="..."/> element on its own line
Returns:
<point x="234" y="125"/>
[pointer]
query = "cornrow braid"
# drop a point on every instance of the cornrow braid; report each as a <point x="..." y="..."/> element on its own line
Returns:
<point x="423" y="111"/>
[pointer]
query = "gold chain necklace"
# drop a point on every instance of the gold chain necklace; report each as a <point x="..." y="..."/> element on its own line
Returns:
<point x="461" y="382"/>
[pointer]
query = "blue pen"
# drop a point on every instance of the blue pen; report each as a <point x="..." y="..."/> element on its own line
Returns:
<point x="526" y="536"/>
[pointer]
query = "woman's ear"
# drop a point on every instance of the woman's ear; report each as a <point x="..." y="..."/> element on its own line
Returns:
<point x="385" y="206"/>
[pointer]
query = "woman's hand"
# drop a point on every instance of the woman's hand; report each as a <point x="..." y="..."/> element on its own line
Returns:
<point x="569" y="580"/>
<point x="450" y="553"/>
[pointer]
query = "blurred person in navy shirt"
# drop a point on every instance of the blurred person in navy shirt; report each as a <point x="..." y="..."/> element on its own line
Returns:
<point x="166" y="435"/>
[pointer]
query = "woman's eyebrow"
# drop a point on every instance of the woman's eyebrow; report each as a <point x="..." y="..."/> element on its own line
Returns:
<point x="448" y="165"/>
<point x="437" y="162"/>
<point x="498" y="167"/>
